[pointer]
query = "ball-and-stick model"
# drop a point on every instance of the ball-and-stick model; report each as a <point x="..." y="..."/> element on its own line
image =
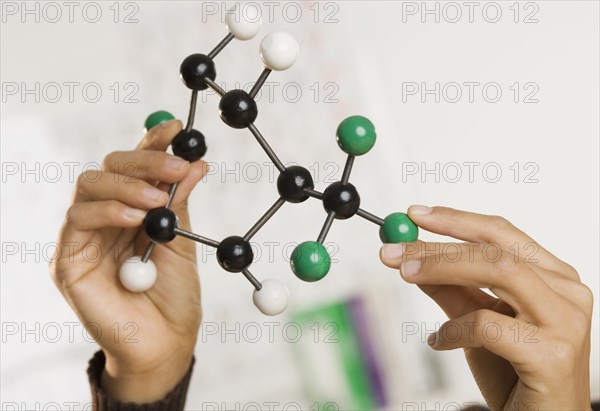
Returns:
<point x="309" y="261"/>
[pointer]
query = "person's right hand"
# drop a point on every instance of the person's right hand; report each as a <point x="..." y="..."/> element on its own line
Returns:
<point x="148" y="338"/>
<point x="529" y="346"/>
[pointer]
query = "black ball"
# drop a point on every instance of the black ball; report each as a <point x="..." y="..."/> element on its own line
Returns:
<point x="189" y="145"/>
<point x="291" y="184"/>
<point x="238" y="109"/>
<point x="195" y="68"/>
<point x="234" y="254"/>
<point x="341" y="198"/>
<point x="160" y="224"/>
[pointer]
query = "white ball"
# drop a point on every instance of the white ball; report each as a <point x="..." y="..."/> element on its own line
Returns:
<point x="244" y="24"/>
<point x="136" y="275"/>
<point x="279" y="50"/>
<point x="273" y="297"/>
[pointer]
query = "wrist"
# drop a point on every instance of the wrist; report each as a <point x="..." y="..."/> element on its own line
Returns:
<point x="144" y="384"/>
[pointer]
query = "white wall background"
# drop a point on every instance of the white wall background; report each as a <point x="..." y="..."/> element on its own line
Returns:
<point x="370" y="53"/>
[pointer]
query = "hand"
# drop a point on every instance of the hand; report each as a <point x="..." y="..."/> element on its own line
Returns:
<point x="148" y="338"/>
<point x="528" y="348"/>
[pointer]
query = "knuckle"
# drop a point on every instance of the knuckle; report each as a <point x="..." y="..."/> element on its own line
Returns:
<point x="563" y="354"/>
<point x="571" y="272"/>
<point x="109" y="163"/>
<point x="113" y="207"/>
<point x="155" y="155"/>
<point x="500" y="223"/>
<point x="57" y="277"/>
<point x="506" y="266"/>
<point x="53" y="275"/>
<point x="81" y="180"/>
<point x="149" y="160"/>
<point x="482" y="317"/>
<point x="413" y="250"/>
<point x="576" y="309"/>
<point x="587" y="292"/>
<point x="86" y="178"/>
<point x="72" y="213"/>
<point x="580" y="321"/>
<point x="585" y="296"/>
<point x="453" y="215"/>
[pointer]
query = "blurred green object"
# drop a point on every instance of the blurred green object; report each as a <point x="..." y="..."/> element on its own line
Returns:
<point x="330" y="339"/>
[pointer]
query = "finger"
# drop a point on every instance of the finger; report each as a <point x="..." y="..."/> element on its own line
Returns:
<point x="479" y="228"/>
<point x="179" y="245"/>
<point x="131" y="191"/>
<point x="507" y="337"/>
<point x="171" y="282"/>
<point x="196" y="173"/>
<point x="198" y="170"/>
<point x="394" y="254"/>
<point x="159" y="138"/>
<point x="94" y="215"/>
<point x="453" y="300"/>
<point x="456" y="301"/>
<point x="146" y="165"/>
<point x="473" y="266"/>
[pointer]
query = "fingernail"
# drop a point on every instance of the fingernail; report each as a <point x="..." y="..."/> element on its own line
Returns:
<point x="154" y="194"/>
<point x="410" y="268"/>
<point x="154" y="131"/>
<point x="134" y="214"/>
<point x="419" y="210"/>
<point x="431" y="339"/>
<point x="176" y="163"/>
<point x="392" y="251"/>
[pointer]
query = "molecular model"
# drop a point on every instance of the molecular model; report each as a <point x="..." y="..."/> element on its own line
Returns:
<point x="309" y="261"/>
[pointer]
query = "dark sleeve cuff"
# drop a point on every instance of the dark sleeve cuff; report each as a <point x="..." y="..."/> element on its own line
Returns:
<point x="174" y="401"/>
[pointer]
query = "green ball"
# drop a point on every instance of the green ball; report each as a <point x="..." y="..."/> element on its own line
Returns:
<point x="157" y="118"/>
<point x="310" y="261"/>
<point x="356" y="135"/>
<point x="398" y="228"/>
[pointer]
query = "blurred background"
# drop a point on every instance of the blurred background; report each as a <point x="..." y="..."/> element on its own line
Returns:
<point x="486" y="106"/>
